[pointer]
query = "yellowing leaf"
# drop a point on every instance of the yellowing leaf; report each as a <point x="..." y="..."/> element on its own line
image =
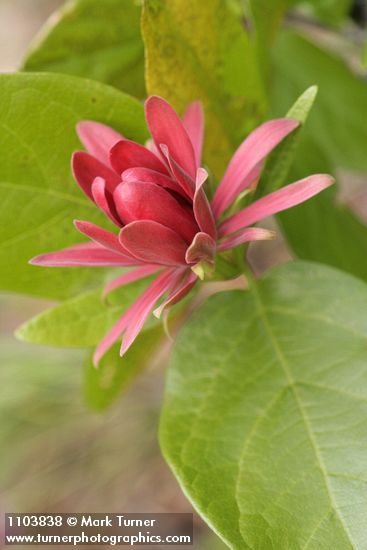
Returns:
<point x="199" y="50"/>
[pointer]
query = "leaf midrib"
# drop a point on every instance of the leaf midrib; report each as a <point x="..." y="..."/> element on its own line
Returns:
<point x="282" y="360"/>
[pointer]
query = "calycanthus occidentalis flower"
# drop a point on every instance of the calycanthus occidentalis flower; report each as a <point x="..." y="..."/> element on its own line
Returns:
<point x="155" y="195"/>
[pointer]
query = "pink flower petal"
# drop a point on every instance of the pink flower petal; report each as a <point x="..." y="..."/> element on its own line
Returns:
<point x="151" y="176"/>
<point x="179" y="291"/>
<point x="128" y="154"/>
<point x="98" y="139"/>
<point x="193" y="121"/>
<point x="284" y="198"/>
<point x="86" y="168"/>
<point x="202" y="248"/>
<point x="185" y="181"/>
<point x="104" y="238"/>
<point x="104" y="200"/>
<point x="130" y="277"/>
<point x="146" y="201"/>
<point x="202" y="210"/>
<point x="135" y="316"/>
<point x="166" y="127"/>
<point x="81" y="255"/>
<point x="252" y="151"/>
<point x="246" y="235"/>
<point x="112" y="336"/>
<point x="153" y="243"/>
<point x="145" y="306"/>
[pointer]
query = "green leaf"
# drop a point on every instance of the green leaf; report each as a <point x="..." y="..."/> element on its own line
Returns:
<point x="279" y="163"/>
<point x="332" y="12"/>
<point x="81" y="321"/>
<point x="266" y="430"/>
<point x="336" y="123"/>
<point x="199" y="50"/>
<point x="38" y="114"/>
<point x="266" y="18"/>
<point x="322" y="229"/>
<point x="104" y="384"/>
<point x="93" y="39"/>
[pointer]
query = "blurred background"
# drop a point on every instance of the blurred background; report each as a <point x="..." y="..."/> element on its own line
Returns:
<point x="56" y="454"/>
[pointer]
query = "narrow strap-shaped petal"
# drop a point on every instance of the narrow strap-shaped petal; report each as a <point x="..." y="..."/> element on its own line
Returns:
<point x="246" y="235"/>
<point x="166" y="127"/>
<point x="98" y="139"/>
<point x="146" y="201"/>
<point x="153" y="243"/>
<point x="193" y="121"/>
<point x="86" y="168"/>
<point x="130" y="277"/>
<point x="152" y="176"/>
<point x="146" y="305"/>
<point x="284" y="198"/>
<point x="184" y="180"/>
<point x="252" y="151"/>
<point x="136" y="314"/>
<point x="185" y="283"/>
<point x="81" y="255"/>
<point x="103" y="237"/>
<point x="202" y="248"/>
<point x="202" y="210"/>
<point x="112" y="336"/>
<point x="128" y="154"/>
<point x="104" y="200"/>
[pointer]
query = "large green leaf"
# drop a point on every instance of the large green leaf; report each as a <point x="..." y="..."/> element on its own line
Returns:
<point x="266" y="429"/>
<point x="93" y="39"/>
<point x="104" y="384"/>
<point x="80" y="321"/>
<point x="199" y="50"/>
<point x="38" y="114"/>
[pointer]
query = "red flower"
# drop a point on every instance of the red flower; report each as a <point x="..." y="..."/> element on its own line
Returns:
<point x="155" y="196"/>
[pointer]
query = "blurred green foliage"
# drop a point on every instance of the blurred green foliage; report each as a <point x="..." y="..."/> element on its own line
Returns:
<point x="94" y="39"/>
<point x="245" y="65"/>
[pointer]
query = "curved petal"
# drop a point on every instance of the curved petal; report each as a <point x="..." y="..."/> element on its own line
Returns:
<point x="104" y="200"/>
<point x="145" y="306"/>
<point x="98" y="139"/>
<point x="86" y="168"/>
<point x="185" y="181"/>
<point x="202" y="210"/>
<point x="81" y="255"/>
<point x="128" y="154"/>
<point x="152" y="176"/>
<point x="112" y="336"/>
<point x="103" y="237"/>
<point x="178" y="292"/>
<point x="166" y="127"/>
<point x="246" y="235"/>
<point x="130" y="277"/>
<point x="284" y="198"/>
<point x="252" y="151"/>
<point x="134" y="317"/>
<point x="193" y="121"/>
<point x="202" y="248"/>
<point x="153" y="243"/>
<point x="146" y="201"/>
